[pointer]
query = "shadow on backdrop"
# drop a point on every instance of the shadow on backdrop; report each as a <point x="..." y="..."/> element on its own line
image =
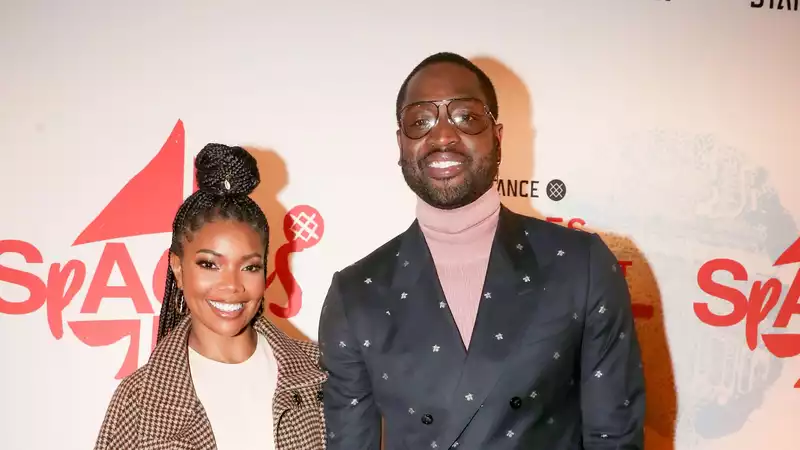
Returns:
<point x="516" y="113"/>
<point x="274" y="177"/>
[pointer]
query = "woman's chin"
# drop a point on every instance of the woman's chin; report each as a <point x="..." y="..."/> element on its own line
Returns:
<point x="228" y="326"/>
<point x="230" y="329"/>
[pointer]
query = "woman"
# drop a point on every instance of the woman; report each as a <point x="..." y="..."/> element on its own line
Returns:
<point x="221" y="375"/>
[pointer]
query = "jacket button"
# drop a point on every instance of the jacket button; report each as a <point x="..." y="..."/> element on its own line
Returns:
<point x="320" y="395"/>
<point x="297" y="399"/>
<point x="427" y="419"/>
<point x="516" y="402"/>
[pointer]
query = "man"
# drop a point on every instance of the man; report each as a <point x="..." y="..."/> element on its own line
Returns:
<point x="477" y="328"/>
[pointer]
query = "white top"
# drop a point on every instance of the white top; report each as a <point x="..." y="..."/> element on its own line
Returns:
<point x="237" y="398"/>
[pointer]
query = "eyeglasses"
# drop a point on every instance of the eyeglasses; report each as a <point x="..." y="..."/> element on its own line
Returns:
<point x="469" y="115"/>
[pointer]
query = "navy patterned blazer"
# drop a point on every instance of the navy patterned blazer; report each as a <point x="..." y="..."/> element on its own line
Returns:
<point x="554" y="361"/>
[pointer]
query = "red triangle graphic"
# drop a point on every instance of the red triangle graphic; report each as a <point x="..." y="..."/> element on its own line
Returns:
<point x="791" y="255"/>
<point x="148" y="202"/>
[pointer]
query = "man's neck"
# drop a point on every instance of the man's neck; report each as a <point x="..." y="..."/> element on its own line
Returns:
<point x="460" y="224"/>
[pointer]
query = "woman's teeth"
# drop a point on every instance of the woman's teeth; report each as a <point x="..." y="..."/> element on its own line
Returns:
<point x="227" y="307"/>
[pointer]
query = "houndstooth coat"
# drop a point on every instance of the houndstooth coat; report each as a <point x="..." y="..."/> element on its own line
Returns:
<point x="156" y="407"/>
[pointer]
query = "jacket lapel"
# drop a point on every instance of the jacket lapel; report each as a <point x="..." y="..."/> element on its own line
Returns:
<point x="169" y="406"/>
<point x="503" y="316"/>
<point x="419" y="297"/>
<point x="296" y="370"/>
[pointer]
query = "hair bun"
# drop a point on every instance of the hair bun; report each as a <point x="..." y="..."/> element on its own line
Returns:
<point x="224" y="170"/>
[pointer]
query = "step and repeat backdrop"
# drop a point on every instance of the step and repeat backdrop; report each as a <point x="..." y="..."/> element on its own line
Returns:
<point x="670" y="127"/>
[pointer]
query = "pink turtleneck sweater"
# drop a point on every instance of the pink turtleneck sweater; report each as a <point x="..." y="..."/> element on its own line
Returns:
<point x="460" y="241"/>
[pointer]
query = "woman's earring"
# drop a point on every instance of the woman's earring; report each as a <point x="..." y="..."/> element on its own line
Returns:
<point x="181" y="305"/>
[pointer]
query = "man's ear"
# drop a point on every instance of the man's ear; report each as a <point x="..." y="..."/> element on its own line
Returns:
<point x="498" y="133"/>
<point x="177" y="269"/>
<point x="399" y="147"/>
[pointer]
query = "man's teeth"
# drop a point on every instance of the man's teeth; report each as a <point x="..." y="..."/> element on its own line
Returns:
<point x="444" y="164"/>
<point x="227" y="307"/>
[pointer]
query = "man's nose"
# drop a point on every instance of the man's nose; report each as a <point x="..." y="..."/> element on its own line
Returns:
<point x="445" y="133"/>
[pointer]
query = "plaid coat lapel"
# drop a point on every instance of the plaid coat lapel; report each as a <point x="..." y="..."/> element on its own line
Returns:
<point x="170" y="412"/>
<point x="298" y="418"/>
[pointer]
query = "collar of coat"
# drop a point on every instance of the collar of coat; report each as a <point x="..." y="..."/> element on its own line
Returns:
<point x="169" y="402"/>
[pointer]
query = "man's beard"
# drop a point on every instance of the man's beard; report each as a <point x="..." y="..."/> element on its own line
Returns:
<point x="476" y="181"/>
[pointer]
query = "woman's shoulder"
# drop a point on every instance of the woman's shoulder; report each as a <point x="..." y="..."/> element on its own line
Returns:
<point x="285" y="342"/>
<point x="129" y="388"/>
<point x="310" y="348"/>
<point x="118" y="430"/>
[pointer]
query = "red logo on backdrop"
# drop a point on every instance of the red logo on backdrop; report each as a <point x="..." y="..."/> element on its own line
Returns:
<point x="145" y="205"/>
<point x="754" y="308"/>
<point x="303" y="227"/>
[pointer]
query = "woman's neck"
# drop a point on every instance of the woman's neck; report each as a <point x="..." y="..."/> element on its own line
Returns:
<point x="224" y="349"/>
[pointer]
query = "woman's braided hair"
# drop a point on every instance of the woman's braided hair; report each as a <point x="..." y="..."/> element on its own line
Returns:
<point x="225" y="177"/>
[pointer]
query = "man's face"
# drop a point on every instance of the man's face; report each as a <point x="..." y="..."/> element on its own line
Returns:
<point x="449" y="156"/>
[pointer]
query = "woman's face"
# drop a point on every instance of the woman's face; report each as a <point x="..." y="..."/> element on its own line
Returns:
<point x="222" y="276"/>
